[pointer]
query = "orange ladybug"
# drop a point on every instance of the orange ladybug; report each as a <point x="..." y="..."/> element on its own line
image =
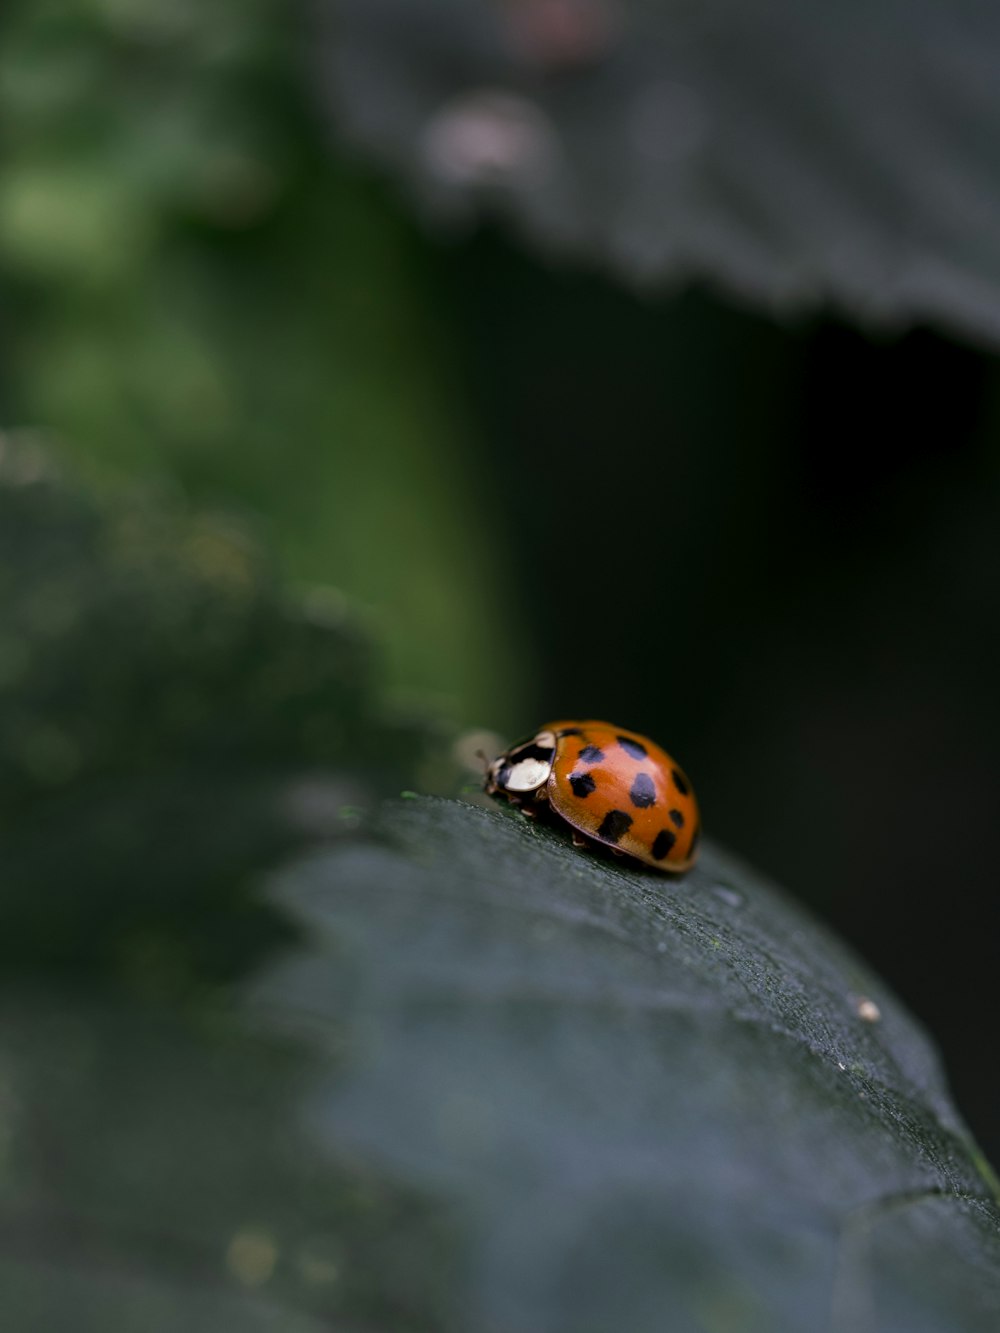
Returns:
<point x="611" y="786"/>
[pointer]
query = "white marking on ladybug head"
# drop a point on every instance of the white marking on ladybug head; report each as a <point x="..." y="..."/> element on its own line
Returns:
<point x="526" y="767"/>
<point x="527" y="774"/>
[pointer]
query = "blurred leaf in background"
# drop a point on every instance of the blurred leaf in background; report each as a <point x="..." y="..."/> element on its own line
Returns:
<point x="169" y="723"/>
<point x="192" y="290"/>
<point x="795" y="153"/>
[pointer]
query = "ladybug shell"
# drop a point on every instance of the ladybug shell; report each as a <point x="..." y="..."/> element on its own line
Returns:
<point x="618" y="788"/>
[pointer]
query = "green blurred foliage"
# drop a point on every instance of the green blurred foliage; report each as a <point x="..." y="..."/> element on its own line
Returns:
<point x="170" y="723"/>
<point x="173" y="725"/>
<point x="193" y="290"/>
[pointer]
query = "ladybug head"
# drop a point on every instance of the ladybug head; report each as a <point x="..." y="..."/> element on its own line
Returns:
<point x="524" y="768"/>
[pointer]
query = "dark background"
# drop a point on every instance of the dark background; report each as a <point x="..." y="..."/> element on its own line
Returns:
<point x="767" y="539"/>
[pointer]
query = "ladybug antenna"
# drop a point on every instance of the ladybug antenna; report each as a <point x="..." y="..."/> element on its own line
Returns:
<point x="479" y="754"/>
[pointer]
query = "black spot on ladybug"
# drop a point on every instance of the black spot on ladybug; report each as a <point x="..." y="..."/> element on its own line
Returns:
<point x="680" y="781"/>
<point x="632" y="747"/>
<point x="677" y="818"/>
<point x="570" y="731"/>
<point x="582" y="783"/>
<point x="614" y="825"/>
<point x="665" y="840"/>
<point x="643" y="793"/>
<point x="590" y="754"/>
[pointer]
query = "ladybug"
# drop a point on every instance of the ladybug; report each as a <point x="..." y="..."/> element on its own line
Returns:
<point x="611" y="786"/>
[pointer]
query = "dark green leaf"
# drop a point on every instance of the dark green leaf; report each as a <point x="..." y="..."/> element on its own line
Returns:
<point x="796" y="152"/>
<point x="499" y="1084"/>
<point x="170" y="721"/>
<point x="654" y="1104"/>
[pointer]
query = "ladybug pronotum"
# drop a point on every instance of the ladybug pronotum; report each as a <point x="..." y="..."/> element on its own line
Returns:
<point x="611" y="786"/>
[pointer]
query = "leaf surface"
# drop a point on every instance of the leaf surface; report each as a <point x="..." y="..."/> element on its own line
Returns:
<point x="653" y="1103"/>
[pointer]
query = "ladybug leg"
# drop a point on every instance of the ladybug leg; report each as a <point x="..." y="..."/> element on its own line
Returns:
<point x="578" y="841"/>
<point x="528" y="805"/>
